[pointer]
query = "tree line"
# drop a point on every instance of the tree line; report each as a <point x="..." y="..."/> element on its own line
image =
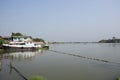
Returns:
<point x="113" y="40"/>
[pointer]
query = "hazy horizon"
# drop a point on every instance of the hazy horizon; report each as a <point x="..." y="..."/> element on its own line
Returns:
<point x="63" y="20"/>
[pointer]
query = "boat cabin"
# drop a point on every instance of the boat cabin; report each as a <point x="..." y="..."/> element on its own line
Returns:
<point x="21" y="38"/>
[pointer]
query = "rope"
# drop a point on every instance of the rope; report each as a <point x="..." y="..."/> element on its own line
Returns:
<point x="101" y="60"/>
<point x="13" y="67"/>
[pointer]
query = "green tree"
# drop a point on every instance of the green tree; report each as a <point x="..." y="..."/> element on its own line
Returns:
<point x="2" y="41"/>
<point x="16" y="34"/>
<point x="38" y="40"/>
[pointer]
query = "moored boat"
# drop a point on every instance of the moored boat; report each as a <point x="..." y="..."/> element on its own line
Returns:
<point x="21" y="45"/>
<point x="23" y="42"/>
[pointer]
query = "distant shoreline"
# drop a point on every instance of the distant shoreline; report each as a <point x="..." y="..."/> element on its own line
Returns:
<point x="77" y="42"/>
<point x="70" y="42"/>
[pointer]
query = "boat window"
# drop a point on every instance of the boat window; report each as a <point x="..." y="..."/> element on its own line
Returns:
<point x="14" y="38"/>
<point x="25" y="37"/>
<point x="22" y="44"/>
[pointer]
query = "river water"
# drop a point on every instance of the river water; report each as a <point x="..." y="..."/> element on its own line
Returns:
<point x="83" y="61"/>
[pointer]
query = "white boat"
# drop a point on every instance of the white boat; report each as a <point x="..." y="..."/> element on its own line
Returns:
<point x="22" y="45"/>
<point x="24" y="42"/>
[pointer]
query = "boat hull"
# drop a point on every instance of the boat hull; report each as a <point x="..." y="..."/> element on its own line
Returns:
<point x="8" y="47"/>
<point x="19" y="47"/>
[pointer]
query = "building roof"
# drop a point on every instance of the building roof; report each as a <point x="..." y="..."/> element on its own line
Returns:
<point x="21" y="37"/>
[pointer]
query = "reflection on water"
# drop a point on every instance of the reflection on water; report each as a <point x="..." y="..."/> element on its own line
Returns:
<point x="7" y="63"/>
<point x="0" y="64"/>
<point x="21" y="55"/>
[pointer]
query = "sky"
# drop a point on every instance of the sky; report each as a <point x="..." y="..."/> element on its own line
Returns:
<point x="61" y="20"/>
